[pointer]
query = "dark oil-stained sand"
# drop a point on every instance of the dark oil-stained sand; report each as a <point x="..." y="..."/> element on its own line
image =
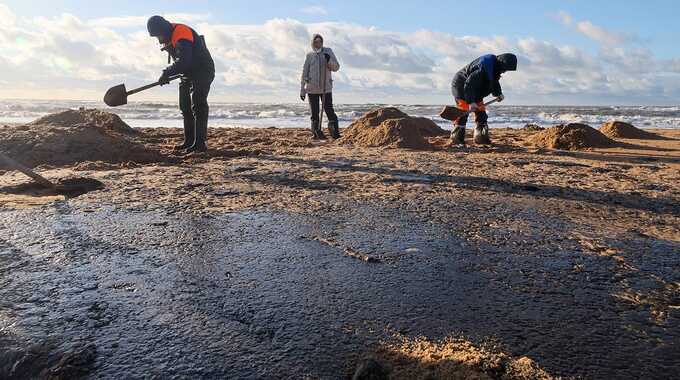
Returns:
<point x="273" y="256"/>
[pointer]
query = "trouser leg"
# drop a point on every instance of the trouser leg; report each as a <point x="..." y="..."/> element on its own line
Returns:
<point x="187" y="114"/>
<point x="201" y="111"/>
<point x="314" y="107"/>
<point x="333" y="126"/>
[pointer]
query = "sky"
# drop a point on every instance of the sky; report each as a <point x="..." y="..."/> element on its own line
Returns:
<point x="571" y="52"/>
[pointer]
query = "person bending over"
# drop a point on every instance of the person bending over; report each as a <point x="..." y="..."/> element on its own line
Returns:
<point x="191" y="59"/>
<point x="471" y="85"/>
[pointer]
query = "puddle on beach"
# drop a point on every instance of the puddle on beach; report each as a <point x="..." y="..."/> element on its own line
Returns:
<point x="260" y="294"/>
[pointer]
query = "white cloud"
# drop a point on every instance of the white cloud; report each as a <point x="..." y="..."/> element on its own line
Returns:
<point x="599" y="34"/>
<point x="592" y="31"/>
<point x="67" y="54"/>
<point x="315" y="10"/>
<point x="7" y="16"/>
<point x="140" y="21"/>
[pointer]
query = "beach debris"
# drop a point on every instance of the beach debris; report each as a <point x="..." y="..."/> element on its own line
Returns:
<point x="74" y="137"/>
<point x="389" y="127"/>
<point x="348" y="250"/>
<point x="622" y="130"/>
<point x="533" y="128"/>
<point x="573" y="136"/>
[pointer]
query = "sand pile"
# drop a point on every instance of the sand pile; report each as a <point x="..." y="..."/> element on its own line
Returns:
<point x="103" y="137"/>
<point x="101" y="119"/>
<point x="621" y="130"/>
<point x="572" y="136"/>
<point x="390" y="127"/>
<point x="452" y="358"/>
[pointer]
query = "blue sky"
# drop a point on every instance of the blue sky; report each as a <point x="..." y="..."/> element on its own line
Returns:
<point x="655" y="21"/>
<point x="592" y="36"/>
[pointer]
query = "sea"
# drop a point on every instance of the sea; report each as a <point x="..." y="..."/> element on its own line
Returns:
<point x="254" y="115"/>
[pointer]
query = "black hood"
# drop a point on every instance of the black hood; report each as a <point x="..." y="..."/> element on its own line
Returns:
<point x="159" y="27"/>
<point x="507" y="62"/>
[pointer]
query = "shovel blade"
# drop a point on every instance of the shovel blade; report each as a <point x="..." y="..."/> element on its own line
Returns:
<point x="452" y="113"/>
<point x="116" y="96"/>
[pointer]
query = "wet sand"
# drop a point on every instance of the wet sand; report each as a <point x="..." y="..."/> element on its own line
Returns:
<point x="277" y="257"/>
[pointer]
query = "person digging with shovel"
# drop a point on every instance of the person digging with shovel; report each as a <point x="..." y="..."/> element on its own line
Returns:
<point x="317" y="82"/>
<point x="471" y="85"/>
<point x="191" y="59"/>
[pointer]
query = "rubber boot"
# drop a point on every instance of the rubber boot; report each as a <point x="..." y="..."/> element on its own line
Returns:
<point x="482" y="134"/>
<point x="189" y="127"/>
<point x="334" y="129"/>
<point x="317" y="133"/>
<point x="201" y="135"/>
<point x="458" y="135"/>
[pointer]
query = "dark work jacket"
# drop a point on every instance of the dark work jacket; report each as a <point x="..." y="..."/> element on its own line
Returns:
<point x="189" y="54"/>
<point x="478" y="80"/>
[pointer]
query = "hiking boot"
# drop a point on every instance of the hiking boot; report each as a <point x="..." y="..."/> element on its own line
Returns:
<point x="334" y="129"/>
<point x="458" y="135"/>
<point x="482" y="134"/>
<point x="317" y="133"/>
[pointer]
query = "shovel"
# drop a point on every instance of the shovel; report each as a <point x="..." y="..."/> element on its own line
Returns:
<point x="455" y="113"/>
<point x="30" y="173"/>
<point x="68" y="187"/>
<point x="118" y="95"/>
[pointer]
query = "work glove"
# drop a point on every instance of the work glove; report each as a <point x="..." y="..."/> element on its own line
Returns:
<point x="500" y="98"/>
<point x="303" y="95"/>
<point x="164" y="79"/>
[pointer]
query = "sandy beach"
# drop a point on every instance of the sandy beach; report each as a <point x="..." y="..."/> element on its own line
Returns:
<point x="276" y="256"/>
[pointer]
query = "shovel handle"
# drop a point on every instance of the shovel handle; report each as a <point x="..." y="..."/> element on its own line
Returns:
<point x="26" y="171"/>
<point x="491" y="102"/>
<point x="488" y="103"/>
<point x="152" y="85"/>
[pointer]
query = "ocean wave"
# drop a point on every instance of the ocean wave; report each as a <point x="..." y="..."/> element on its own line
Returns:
<point x="256" y="114"/>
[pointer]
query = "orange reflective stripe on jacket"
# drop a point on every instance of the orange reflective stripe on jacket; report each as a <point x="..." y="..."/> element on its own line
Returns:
<point x="462" y="104"/>
<point x="181" y="32"/>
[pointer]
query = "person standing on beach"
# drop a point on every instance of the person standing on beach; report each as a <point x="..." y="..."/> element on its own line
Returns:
<point x="317" y="82"/>
<point x="471" y="85"/>
<point x="192" y="60"/>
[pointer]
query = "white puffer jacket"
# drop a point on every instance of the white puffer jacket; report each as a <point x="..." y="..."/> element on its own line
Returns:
<point x="313" y="70"/>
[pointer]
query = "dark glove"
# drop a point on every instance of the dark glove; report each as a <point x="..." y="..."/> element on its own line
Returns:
<point x="328" y="57"/>
<point x="303" y="95"/>
<point x="164" y="79"/>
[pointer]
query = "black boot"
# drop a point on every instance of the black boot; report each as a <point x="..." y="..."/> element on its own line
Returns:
<point x="334" y="129"/>
<point x="201" y="135"/>
<point x="189" y="128"/>
<point x="317" y="133"/>
<point x="482" y="134"/>
<point x="458" y="135"/>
